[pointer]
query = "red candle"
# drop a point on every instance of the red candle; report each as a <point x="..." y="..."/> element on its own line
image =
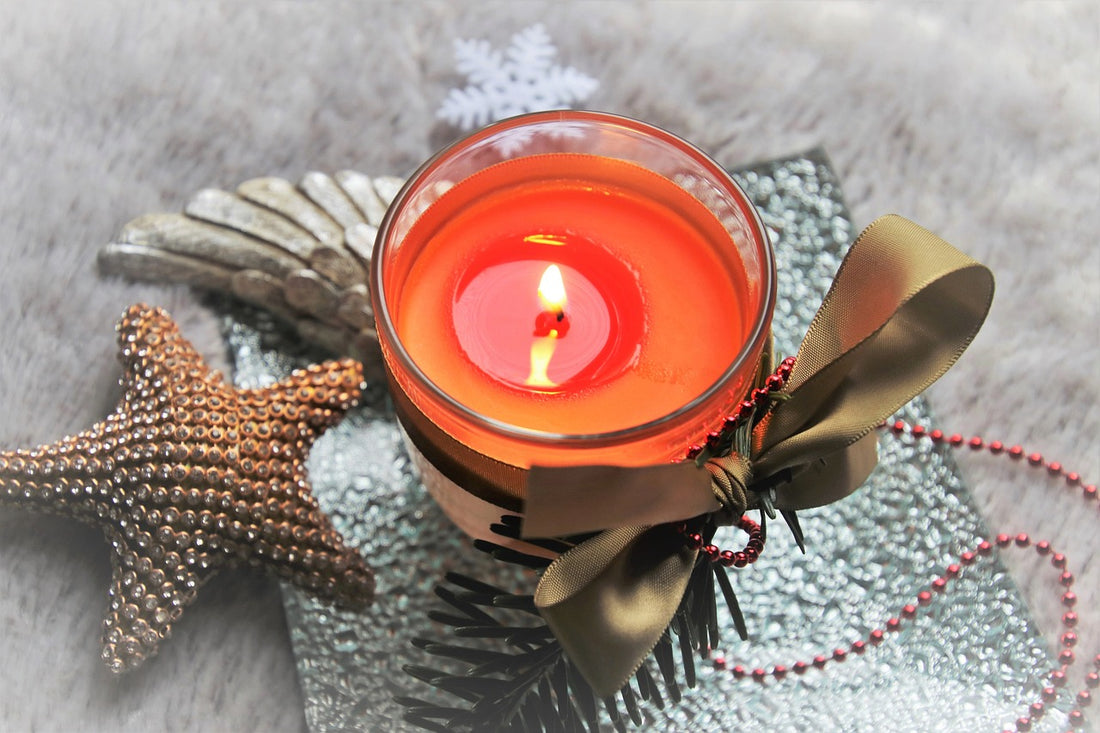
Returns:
<point x="653" y="314"/>
<point x="572" y="288"/>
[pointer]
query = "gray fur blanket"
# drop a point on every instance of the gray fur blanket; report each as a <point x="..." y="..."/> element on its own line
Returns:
<point x="980" y="120"/>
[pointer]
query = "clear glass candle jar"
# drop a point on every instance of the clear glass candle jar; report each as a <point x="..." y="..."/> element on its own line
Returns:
<point x="667" y="281"/>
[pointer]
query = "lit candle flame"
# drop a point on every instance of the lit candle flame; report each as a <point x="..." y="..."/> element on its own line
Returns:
<point x="552" y="296"/>
<point x="552" y="291"/>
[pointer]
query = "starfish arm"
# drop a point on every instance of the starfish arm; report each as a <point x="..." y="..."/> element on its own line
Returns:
<point x="321" y="393"/>
<point x="351" y="582"/>
<point x="305" y="549"/>
<point x="154" y="354"/>
<point x="68" y="477"/>
<point x="149" y="590"/>
<point x="24" y="484"/>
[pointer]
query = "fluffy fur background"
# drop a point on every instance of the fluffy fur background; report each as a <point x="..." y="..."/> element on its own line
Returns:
<point x="981" y="121"/>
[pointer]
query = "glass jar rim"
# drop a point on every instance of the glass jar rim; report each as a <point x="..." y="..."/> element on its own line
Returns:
<point x="753" y="343"/>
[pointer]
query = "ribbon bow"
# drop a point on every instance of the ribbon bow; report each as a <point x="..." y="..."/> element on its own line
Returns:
<point x="903" y="307"/>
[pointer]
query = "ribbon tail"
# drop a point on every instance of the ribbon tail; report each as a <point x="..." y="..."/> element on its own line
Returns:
<point x="609" y="599"/>
<point x="832" y="478"/>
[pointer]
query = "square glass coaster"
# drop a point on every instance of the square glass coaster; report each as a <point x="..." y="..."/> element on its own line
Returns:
<point x="966" y="664"/>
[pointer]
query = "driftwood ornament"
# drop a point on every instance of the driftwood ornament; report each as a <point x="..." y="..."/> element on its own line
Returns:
<point x="300" y="251"/>
<point x="190" y="475"/>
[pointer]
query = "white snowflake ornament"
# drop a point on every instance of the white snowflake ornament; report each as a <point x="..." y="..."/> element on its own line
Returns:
<point x="524" y="78"/>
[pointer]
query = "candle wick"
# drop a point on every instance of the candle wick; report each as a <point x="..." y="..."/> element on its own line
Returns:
<point x="561" y="315"/>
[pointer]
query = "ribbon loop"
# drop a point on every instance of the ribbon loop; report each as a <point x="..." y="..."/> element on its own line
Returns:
<point x="903" y="307"/>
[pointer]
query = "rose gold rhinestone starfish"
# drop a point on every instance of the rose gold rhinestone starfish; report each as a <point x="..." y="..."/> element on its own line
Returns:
<point x="190" y="475"/>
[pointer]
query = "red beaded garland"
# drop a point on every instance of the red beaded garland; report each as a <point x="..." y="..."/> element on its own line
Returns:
<point x="757" y="398"/>
<point x="750" y="554"/>
<point x="1057" y="677"/>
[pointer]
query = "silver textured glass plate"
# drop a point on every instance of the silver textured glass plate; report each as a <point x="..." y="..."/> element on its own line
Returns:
<point x="968" y="664"/>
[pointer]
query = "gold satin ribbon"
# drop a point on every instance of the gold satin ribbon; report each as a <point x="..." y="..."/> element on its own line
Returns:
<point x="903" y="307"/>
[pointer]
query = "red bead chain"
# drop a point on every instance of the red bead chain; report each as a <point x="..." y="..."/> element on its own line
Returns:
<point x="1066" y="657"/>
<point x="753" y="548"/>
<point x="747" y="408"/>
<point x="996" y="447"/>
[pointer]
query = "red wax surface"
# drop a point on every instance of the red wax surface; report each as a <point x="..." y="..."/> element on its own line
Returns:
<point x="655" y="294"/>
<point x="497" y="314"/>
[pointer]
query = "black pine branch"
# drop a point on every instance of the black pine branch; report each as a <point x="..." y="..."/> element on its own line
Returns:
<point x="515" y="676"/>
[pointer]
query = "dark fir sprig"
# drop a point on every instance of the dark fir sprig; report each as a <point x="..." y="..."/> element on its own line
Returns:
<point x="514" y="676"/>
<point x="517" y="677"/>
